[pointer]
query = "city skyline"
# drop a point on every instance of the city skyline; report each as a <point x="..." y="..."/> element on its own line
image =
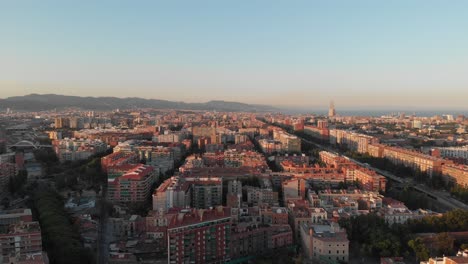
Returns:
<point x="233" y="132"/>
<point x="361" y="55"/>
<point x="35" y="102"/>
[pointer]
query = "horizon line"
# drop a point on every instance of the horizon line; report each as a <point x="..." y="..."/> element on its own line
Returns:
<point x="299" y="108"/>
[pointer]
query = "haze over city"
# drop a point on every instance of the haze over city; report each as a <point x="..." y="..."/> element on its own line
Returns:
<point x="301" y="54"/>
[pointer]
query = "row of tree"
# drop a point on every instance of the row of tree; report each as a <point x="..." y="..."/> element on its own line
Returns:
<point x="16" y="183"/>
<point x="373" y="237"/>
<point x="441" y="245"/>
<point x="460" y="192"/>
<point x="60" y="238"/>
<point x="452" y="221"/>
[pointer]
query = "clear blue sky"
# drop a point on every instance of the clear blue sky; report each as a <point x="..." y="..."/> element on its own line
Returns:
<point x="304" y="53"/>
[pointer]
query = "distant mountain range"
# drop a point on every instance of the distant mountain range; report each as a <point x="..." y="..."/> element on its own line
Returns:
<point x="41" y="102"/>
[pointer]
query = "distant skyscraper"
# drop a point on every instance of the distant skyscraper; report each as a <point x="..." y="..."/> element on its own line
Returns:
<point x="331" y="110"/>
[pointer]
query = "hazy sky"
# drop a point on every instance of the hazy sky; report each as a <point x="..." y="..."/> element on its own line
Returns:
<point x="411" y="54"/>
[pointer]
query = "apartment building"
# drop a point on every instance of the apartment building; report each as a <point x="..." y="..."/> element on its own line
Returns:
<point x="203" y="131"/>
<point x="199" y="236"/>
<point x="416" y="160"/>
<point x="319" y="133"/>
<point x="331" y="199"/>
<point x="21" y="238"/>
<point x="260" y="196"/>
<point x="173" y="192"/>
<point x="118" y="159"/>
<point x="235" y="159"/>
<point x="269" y="146"/>
<point x="9" y="217"/>
<point x="299" y="213"/>
<point x="335" y="160"/>
<point x="7" y="171"/>
<point x="170" y="137"/>
<point x="72" y="149"/>
<point x="130" y="183"/>
<point x="157" y="156"/>
<point x="296" y="159"/>
<point x="325" y="242"/>
<point x="273" y="215"/>
<point x="250" y="239"/>
<point x="113" y="137"/>
<point x="206" y="192"/>
<point x="376" y="150"/>
<point x="240" y="138"/>
<point x="352" y="140"/>
<point x="235" y="187"/>
<point x="289" y="143"/>
<point x="454" y="152"/>
<point x="294" y="189"/>
<point x="455" y="174"/>
<point x="398" y="213"/>
<point x="369" y="179"/>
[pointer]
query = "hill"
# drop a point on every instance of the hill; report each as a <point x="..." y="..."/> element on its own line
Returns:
<point x="41" y="102"/>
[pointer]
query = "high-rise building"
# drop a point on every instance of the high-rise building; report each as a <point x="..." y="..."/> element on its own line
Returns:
<point x="76" y="122"/>
<point x="331" y="110"/>
<point x="62" y="122"/>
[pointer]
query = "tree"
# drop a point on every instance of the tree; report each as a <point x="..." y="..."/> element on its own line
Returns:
<point x="460" y="193"/>
<point x="374" y="236"/>
<point x="417" y="245"/>
<point x="444" y="244"/>
<point x="60" y="239"/>
<point x="16" y="183"/>
<point x="452" y="221"/>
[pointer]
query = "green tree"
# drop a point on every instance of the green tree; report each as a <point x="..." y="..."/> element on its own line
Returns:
<point x="420" y="250"/>
<point x="17" y="182"/>
<point x="444" y="244"/>
<point x="60" y="238"/>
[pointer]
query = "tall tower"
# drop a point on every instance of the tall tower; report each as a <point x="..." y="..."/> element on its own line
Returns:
<point x="331" y="109"/>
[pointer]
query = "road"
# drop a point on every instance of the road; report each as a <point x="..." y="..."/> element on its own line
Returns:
<point x="103" y="237"/>
<point x="441" y="196"/>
